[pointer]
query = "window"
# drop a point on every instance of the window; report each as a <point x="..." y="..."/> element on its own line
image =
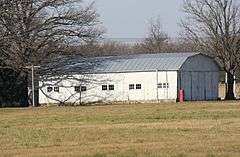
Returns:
<point x="49" y="89"/>
<point x="80" y="88"/>
<point x="160" y="85"/>
<point x="77" y="88"/>
<point x="56" y="89"/>
<point x="164" y="85"/>
<point x="83" y="88"/>
<point x="104" y="87"/>
<point x="111" y="87"/>
<point x="138" y="86"/>
<point x="131" y="86"/>
<point x="167" y="85"/>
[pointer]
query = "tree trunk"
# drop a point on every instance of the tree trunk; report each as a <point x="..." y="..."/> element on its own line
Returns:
<point x="230" y="87"/>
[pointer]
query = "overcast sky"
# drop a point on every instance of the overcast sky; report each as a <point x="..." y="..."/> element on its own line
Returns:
<point x="129" y="18"/>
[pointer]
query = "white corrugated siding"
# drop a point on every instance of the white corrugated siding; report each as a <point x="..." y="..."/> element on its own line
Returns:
<point x="121" y="82"/>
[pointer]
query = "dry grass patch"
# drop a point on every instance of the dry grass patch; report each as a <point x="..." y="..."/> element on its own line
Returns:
<point x="204" y="129"/>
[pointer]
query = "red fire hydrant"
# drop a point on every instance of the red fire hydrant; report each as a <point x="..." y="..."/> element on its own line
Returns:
<point x="181" y="95"/>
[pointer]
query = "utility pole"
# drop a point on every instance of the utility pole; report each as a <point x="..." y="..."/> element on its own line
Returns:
<point x="33" y="84"/>
<point x="33" y="89"/>
<point x="234" y="87"/>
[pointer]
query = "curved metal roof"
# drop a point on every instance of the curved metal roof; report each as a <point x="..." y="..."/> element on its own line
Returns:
<point x="117" y="64"/>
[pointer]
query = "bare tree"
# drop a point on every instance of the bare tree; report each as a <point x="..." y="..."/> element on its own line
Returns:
<point x="33" y="30"/>
<point x="156" y="39"/>
<point x="214" y="26"/>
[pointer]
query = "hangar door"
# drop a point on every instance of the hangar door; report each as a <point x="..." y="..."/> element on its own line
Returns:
<point x="199" y="85"/>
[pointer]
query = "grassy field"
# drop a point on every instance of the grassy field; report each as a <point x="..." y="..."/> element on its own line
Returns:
<point x="206" y="129"/>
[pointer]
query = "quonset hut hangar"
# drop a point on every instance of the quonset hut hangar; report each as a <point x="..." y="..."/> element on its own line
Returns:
<point x="144" y="77"/>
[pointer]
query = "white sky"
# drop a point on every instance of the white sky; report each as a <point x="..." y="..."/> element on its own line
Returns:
<point x="129" y="18"/>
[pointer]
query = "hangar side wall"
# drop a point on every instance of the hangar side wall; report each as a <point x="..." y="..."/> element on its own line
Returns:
<point x="149" y="90"/>
<point x="199" y="78"/>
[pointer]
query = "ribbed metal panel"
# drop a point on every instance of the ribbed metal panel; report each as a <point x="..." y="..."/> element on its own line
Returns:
<point x="130" y="63"/>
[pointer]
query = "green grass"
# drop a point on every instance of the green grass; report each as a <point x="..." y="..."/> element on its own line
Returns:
<point x="205" y="129"/>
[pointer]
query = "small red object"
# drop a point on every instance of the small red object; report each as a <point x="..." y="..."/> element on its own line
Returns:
<point x="181" y="95"/>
